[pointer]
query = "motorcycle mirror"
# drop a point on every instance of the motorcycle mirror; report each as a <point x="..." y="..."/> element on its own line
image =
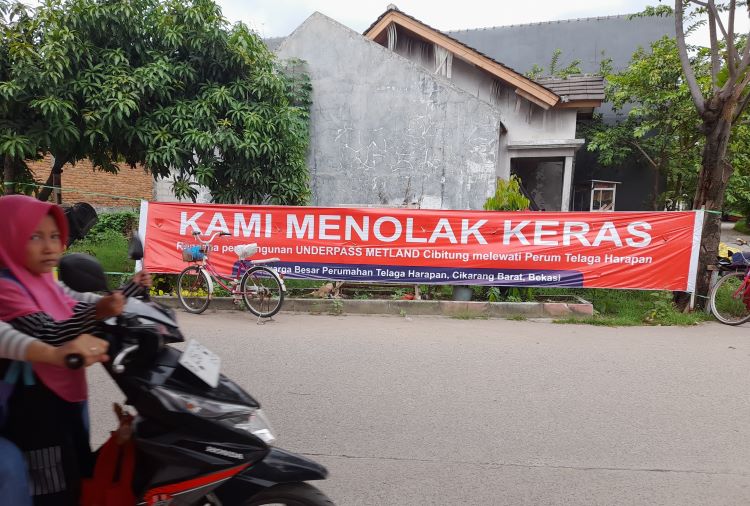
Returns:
<point x="135" y="251"/>
<point x="82" y="273"/>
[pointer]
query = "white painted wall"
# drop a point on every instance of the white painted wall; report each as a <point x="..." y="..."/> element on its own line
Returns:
<point x="526" y="123"/>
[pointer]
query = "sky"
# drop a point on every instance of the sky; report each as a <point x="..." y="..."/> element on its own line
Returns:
<point x="275" y="18"/>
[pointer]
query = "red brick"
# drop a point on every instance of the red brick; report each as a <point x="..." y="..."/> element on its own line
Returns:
<point x="81" y="178"/>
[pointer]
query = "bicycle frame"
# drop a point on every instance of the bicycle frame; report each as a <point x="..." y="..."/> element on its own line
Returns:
<point x="744" y="286"/>
<point x="212" y="274"/>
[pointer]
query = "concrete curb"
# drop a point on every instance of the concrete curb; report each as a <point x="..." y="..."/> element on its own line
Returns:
<point x="569" y="309"/>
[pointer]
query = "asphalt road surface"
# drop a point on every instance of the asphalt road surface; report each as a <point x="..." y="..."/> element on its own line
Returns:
<point x="432" y="410"/>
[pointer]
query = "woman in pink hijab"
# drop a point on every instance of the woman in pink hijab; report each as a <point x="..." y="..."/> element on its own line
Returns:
<point x="45" y="410"/>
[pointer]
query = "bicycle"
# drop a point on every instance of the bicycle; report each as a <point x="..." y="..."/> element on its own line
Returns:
<point x="260" y="286"/>
<point x="729" y="298"/>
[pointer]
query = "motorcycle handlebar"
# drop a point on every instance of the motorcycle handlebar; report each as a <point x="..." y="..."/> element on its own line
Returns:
<point x="74" y="361"/>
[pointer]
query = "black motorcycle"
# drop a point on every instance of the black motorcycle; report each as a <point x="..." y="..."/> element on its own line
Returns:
<point x="199" y="438"/>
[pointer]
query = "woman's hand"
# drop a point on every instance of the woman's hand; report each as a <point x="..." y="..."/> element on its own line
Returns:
<point x="91" y="348"/>
<point x="144" y="279"/>
<point x="110" y="305"/>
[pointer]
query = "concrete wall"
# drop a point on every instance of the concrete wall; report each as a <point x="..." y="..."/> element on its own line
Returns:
<point x="385" y="131"/>
<point x="524" y="121"/>
<point x="163" y="193"/>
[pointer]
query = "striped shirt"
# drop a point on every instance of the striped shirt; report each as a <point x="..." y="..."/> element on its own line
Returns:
<point x="13" y="344"/>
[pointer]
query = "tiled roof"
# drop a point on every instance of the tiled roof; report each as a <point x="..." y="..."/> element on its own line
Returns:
<point x="578" y="87"/>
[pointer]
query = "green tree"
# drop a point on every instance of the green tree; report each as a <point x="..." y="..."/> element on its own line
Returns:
<point x="656" y="120"/>
<point x="21" y="131"/>
<point x="720" y="106"/>
<point x="737" y="196"/>
<point x="169" y="85"/>
<point x="508" y="196"/>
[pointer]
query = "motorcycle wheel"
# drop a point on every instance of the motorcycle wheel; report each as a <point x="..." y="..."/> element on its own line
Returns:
<point x="290" y="494"/>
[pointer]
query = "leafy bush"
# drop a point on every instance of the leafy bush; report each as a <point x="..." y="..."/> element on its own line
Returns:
<point x="507" y="197"/>
<point x="111" y="249"/>
<point x="124" y="223"/>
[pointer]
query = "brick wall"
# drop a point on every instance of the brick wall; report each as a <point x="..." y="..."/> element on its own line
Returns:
<point x="134" y="183"/>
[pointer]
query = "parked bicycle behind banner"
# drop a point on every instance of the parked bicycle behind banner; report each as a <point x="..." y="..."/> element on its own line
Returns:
<point x="255" y="282"/>
<point x="730" y="296"/>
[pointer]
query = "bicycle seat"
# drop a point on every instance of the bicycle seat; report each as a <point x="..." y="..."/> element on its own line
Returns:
<point x="246" y="250"/>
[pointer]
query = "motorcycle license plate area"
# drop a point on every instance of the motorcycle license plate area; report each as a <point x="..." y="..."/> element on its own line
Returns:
<point x="202" y="362"/>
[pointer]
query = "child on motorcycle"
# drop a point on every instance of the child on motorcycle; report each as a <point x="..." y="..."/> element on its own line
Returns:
<point x="14" y="345"/>
<point x="46" y="413"/>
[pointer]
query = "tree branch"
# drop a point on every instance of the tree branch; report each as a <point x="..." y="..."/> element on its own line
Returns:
<point x="695" y="90"/>
<point x="715" y="62"/>
<point x="741" y="108"/>
<point x="732" y="53"/>
<point x="650" y="160"/>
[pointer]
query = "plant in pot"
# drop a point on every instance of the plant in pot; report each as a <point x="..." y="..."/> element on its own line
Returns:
<point x="508" y="197"/>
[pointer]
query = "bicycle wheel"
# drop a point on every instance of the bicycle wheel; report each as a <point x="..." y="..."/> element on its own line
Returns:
<point x="261" y="291"/>
<point x="192" y="290"/>
<point x="728" y="299"/>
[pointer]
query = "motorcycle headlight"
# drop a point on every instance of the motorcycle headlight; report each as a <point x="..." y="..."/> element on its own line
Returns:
<point x="237" y="416"/>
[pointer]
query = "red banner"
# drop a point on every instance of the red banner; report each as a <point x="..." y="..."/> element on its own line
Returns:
<point x="641" y="250"/>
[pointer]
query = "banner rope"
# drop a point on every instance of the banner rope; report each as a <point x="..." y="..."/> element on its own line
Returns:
<point x="73" y="190"/>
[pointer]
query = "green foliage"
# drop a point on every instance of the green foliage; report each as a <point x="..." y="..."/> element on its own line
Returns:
<point x="337" y="307"/>
<point x="615" y="308"/>
<point x="125" y="223"/>
<point x="398" y="293"/>
<point x="651" y="10"/>
<point x="657" y="121"/>
<point x="493" y="294"/>
<point x="743" y="227"/>
<point x="109" y="247"/>
<point x="737" y="196"/>
<point x="166" y="84"/>
<point x="508" y="196"/>
<point x="555" y="70"/>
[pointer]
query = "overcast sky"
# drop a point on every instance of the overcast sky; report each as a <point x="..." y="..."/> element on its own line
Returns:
<point x="274" y="18"/>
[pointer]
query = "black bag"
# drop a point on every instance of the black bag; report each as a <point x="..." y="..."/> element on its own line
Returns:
<point x="81" y="218"/>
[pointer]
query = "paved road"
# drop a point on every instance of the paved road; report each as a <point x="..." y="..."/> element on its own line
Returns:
<point x="729" y="235"/>
<point x="430" y="410"/>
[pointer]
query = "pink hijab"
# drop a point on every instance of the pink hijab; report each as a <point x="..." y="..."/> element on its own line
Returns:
<point x="30" y="293"/>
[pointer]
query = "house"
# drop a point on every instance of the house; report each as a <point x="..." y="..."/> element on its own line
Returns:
<point x="589" y="40"/>
<point x="407" y="115"/>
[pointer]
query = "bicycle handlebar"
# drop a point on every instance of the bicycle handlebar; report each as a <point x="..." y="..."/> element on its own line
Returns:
<point x="209" y="241"/>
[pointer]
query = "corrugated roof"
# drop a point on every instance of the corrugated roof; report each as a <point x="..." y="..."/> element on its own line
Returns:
<point x="578" y="87"/>
<point x="589" y="39"/>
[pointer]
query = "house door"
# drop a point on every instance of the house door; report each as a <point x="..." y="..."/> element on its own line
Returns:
<point x="542" y="178"/>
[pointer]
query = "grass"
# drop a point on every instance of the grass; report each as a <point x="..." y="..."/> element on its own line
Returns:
<point x="111" y="249"/>
<point x="468" y="315"/>
<point x="742" y="227"/>
<point x="623" y="308"/>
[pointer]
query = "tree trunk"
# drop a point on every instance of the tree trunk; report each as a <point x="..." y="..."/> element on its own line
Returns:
<point x="715" y="172"/>
<point x="55" y="180"/>
<point x="9" y="176"/>
<point x="655" y="194"/>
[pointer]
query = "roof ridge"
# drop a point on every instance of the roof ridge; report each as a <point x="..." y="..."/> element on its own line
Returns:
<point x="569" y="20"/>
<point x="393" y="8"/>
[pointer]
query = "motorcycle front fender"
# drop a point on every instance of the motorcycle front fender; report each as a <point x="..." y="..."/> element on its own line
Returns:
<point x="281" y="466"/>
